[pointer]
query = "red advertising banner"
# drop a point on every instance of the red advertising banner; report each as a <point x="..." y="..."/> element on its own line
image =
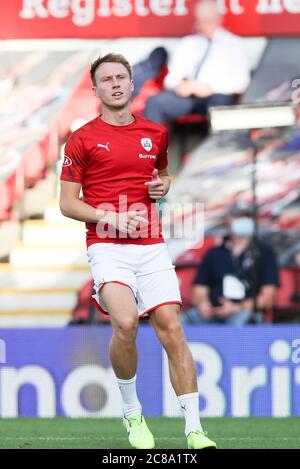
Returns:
<point x="140" y="18"/>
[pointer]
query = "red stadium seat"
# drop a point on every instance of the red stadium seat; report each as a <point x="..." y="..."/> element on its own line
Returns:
<point x="287" y="306"/>
<point x="186" y="268"/>
<point x="149" y="88"/>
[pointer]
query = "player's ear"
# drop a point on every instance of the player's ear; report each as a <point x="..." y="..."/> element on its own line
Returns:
<point x="132" y="86"/>
<point x="94" y="88"/>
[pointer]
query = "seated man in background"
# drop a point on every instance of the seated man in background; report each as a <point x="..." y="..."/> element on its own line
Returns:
<point x="208" y="68"/>
<point x="230" y="274"/>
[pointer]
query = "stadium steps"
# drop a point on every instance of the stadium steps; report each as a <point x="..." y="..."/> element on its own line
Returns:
<point x="43" y="278"/>
<point x="10" y="234"/>
<point x="48" y="255"/>
<point x="34" y="318"/>
<point x="12" y="299"/>
<point x="36" y="232"/>
<point x="35" y="199"/>
<point x="53" y="214"/>
<point x="39" y="287"/>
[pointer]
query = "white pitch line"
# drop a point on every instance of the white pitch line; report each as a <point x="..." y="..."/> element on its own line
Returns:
<point x="62" y="438"/>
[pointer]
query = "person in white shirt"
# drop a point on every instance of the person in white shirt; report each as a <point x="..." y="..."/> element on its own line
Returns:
<point x="207" y="68"/>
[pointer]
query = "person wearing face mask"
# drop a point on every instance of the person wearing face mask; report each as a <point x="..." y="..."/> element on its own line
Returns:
<point x="231" y="275"/>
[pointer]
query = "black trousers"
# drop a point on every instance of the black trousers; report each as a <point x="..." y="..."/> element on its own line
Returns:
<point x="166" y="105"/>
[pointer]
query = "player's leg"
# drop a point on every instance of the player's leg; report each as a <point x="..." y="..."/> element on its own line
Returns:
<point x="121" y="306"/>
<point x="166" y="322"/>
<point x="158" y="295"/>
<point x="167" y="325"/>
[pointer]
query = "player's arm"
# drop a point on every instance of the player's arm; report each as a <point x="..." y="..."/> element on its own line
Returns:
<point x="72" y="206"/>
<point x="159" y="186"/>
<point x="164" y="175"/>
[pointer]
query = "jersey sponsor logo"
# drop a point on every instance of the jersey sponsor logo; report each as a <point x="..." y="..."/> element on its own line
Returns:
<point x="67" y="161"/>
<point x="149" y="157"/>
<point x="146" y="143"/>
<point x="101" y="145"/>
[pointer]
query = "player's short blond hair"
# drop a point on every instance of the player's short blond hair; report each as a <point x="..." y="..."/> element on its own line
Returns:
<point x="115" y="58"/>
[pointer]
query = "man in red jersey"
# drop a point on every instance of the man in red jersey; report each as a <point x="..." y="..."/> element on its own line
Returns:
<point x="120" y="162"/>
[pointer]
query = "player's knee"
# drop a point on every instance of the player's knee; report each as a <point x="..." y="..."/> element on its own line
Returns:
<point x="172" y="334"/>
<point x="126" y="329"/>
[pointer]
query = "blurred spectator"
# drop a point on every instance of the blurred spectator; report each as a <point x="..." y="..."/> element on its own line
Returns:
<point x="230" y="274"/>
<point x="207" y="68"/>
<point x="297" y="258"/>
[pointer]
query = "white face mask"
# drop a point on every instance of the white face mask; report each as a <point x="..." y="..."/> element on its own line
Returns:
<point x="243" y="227"/>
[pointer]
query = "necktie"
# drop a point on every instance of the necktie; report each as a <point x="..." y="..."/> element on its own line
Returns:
<point x="199" y="64"/>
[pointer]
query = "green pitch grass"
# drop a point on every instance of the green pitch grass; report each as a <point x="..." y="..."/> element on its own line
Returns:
<point x="110" y="434"/>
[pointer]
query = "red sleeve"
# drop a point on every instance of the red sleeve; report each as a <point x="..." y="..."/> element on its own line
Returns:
<point x="74" y="160"/>
<point x="162" y="160"/>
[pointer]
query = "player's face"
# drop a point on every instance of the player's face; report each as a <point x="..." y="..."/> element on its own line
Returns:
<point x="113" y="85"/>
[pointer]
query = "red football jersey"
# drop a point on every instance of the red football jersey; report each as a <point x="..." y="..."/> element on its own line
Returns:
<point x="112" y="163"/>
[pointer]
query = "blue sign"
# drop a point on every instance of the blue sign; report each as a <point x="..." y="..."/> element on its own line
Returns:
<point x="246" y="371"/>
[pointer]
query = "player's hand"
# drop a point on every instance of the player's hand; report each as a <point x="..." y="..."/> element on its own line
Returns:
<point x="125" y="222"/>
<point x="129" y="221"/>
<point x="156" y="188"/>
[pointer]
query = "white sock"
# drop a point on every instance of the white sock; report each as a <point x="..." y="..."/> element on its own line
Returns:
<point x="189" y="404"/>
<point x="131" y="404"/>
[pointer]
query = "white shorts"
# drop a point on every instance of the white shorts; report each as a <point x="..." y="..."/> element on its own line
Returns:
<point x="146" y="269"/>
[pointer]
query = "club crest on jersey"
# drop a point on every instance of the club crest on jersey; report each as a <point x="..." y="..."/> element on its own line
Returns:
<point x="67" y="161"/>
<point x="146" y="143"/>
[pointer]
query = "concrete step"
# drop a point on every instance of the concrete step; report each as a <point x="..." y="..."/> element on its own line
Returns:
<point x="41" y="233"/>
<point x="43" y="278"/>
<point x="48" y="256"/>
<point x="54" y="215"/>
<point x="20" y="318"/>
<point x="37" y="300"/>
<point x="10" y="235"/>
<point x="35" y="200"/>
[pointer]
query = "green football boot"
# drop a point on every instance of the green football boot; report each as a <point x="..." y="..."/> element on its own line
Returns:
<point x="199" y="440"/>
<point x="139" y="435"/>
